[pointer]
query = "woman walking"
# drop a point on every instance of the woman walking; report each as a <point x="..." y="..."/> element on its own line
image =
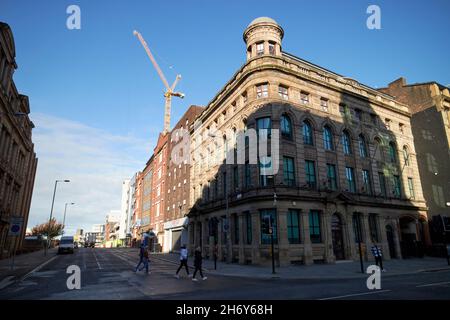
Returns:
<point x="183" y="261"/>
<point x="198" y="264"/>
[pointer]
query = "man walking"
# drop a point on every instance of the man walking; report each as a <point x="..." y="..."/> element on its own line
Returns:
<point x="141" y="257"/>
<point x="183" y="261"/>
<point x="377" y="254"/>
<point x="198" y="264"/>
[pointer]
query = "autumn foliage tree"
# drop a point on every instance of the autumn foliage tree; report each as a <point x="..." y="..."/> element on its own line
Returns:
<point x="50" y="229"/>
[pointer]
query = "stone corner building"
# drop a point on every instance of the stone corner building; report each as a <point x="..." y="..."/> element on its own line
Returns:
<point x="429" y="103"/>
<point x="17" y="157"/>
<point x="347" y="165"/>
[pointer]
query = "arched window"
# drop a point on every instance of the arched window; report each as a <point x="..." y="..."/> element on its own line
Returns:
<point x="406" y="156"/>
<point x="286" y="126"/>
<point x="346" y="143"/>
<point x="392" y="152"/>
<point x="362" y="146"/>
<point x="328" y="138"/>
<point x="307" y="133"/>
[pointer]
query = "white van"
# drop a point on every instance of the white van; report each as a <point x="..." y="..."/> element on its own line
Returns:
<point x="66" y="245"/>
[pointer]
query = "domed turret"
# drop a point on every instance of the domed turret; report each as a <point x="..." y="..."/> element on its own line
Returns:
<point x="263" y="36"/>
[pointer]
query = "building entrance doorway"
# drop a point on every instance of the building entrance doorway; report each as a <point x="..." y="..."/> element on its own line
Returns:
<point x="338" y="237"/>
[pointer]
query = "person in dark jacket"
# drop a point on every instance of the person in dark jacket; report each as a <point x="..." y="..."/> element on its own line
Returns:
<point x="198" y="264"/>
<point x="141" y="257"/>
<point x="378" y="255"/>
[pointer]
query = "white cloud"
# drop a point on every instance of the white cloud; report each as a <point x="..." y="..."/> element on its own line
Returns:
<point x="95" y="161"/>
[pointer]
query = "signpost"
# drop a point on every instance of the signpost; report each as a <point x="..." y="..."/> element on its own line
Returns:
<point x="15" y="229"/>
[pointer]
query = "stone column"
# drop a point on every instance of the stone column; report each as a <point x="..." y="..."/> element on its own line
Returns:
<point x="398" y="248"/>
<point x="328" y="238"/>
<point x="384" y="242"/>
<point x="306" y="240"/>
<point x="366" y="236"/>
<point x="205" y="235"/>
<point x="241" y="237"/>
<point x="283" y="242"/>
<point x="256" y="236"/>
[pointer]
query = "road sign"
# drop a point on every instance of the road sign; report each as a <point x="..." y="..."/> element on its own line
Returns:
<point x="15" y="226"/>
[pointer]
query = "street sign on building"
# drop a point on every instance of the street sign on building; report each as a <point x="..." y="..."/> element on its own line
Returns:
<point x="15" y="226"/>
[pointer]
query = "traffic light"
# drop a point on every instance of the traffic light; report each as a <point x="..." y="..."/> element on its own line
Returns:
<point x="266" y="225"/>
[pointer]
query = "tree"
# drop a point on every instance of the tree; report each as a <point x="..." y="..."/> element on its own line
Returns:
<point x="50" y="229"/>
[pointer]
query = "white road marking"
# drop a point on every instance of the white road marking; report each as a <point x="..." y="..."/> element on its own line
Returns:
<point x="433" y="284"/>
<point x="38" y="268"/>
<point x="122" y="258"/>
<point x="6" y="282"/>
<point x="355" y="294"/>
<point x="98" y="263"/>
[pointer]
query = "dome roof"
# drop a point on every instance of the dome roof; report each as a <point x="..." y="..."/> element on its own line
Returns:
<point x="262" y="19"/>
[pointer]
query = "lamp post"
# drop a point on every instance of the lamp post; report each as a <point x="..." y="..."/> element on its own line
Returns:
<point x="65" y="210"/>
<point x="51" y="213"/>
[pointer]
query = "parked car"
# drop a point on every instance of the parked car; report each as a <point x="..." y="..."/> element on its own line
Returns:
<point x="66" y="244"/>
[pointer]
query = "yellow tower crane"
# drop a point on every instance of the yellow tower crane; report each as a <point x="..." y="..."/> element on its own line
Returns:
<point x="169" y="90"/>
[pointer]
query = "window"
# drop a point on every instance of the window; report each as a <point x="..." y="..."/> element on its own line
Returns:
<point x="324" y="104"/>
<point x="362" y="146"/>
<point x="264" y="124"/>
<point x="260" y="48"/>
<point x="262" y="91"/>
<point x="331" y="177"/>
<point x="304" y="97"/>
<point x="283" y="92"/>
<point x="392" y="152"/>
<point x="327" y="138"/>
<point x="224" y="181"/>
<point x="397" y="187"/>
<point x="406" y="156"/>
<point x="411" y="188"/>
<point x="373" y="225"/>
<point x="310" y="174"/>
<point x="236" y="178"/>
<point x="314" y="226"/>
<point x="357" y="227"/>
<point x="288" y="171"/>
<point x="286" y="127"/>
<point x="271" y="48"/>
<point x="346" y="143"/>
<point x="293" y="226"/>
<point x="248" y="226"/>
<point x="269" y="219"/>
<point x="382" y="181"/>
<point x="265" y="170"/>
<point x="307" y="134"/>
<point x="350" y="176"/>
<point x="366" y="182"/>
<point x="358" y="114"/>
<point x="247" y="178"/>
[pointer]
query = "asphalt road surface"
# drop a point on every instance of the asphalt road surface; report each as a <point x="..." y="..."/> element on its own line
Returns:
<point x="109" y="274"/>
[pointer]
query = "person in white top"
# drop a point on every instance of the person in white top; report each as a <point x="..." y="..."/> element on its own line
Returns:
<point x="183" y="261"/>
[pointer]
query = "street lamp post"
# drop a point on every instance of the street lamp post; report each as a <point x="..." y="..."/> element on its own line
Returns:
<point x="65" y="210"/>
<point x="51" y="213"/>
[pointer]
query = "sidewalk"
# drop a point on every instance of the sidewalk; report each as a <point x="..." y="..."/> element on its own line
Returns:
<point x="23" y="264"/>
<point x="340" y="270"/>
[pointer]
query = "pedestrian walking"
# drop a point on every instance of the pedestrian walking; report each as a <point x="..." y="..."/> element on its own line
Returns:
<point x="378" y="255"/>
<point x="145" y="260"/>
<point x="183" y="261"/>
<point x="198" y="264"/>
<point x="141" y="257"/>
<point x="216" y="249"/>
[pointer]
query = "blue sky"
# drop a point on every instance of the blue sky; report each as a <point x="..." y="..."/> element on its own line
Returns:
<point x="99" y="81"/>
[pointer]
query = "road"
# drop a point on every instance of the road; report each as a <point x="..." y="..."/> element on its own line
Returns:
<point x="109" y="274"/>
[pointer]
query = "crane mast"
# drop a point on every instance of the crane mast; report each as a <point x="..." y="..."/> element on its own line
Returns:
<point x="169" y="89"/>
